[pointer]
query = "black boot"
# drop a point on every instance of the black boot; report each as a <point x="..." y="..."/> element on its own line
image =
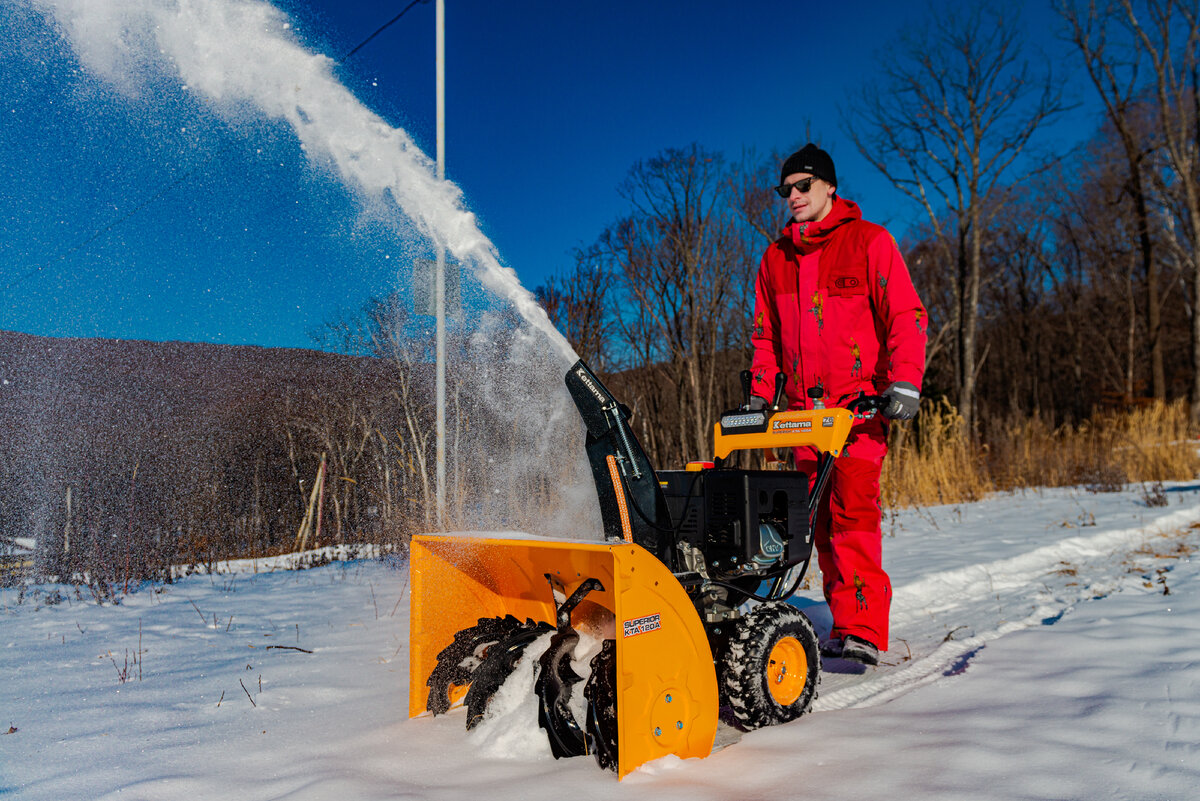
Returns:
<point x="832" y="647"/>
<point x="859" y="650"/>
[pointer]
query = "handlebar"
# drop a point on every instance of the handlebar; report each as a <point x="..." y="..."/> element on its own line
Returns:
<point x="868" y="404"/>
<point x="862" y="405"/>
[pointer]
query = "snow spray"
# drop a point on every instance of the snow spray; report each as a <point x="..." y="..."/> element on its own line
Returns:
<point x="243" y="58"/>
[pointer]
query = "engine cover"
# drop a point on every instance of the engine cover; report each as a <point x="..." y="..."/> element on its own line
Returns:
<point x="726" y="513"/>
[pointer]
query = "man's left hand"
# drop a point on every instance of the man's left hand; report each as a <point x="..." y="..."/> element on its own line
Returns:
<point x="756" y="404"/>
<point x="904" y="401"/>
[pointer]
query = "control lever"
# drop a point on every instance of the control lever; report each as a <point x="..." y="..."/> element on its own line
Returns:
<point x="815" y="394"/>
<point x="780" y="383"/>
<point x="747" y="377"/>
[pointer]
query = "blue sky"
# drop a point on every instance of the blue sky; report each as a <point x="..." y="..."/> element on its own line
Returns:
<point x="145" y="216"/>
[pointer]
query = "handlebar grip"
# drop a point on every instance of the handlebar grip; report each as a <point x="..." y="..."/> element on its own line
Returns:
<point x="865" y="404"/>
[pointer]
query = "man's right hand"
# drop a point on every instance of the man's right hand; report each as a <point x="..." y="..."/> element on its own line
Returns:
<point x="757" y="404"/>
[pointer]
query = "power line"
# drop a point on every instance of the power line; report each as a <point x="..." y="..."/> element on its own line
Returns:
<point x="104" y="229"/>
<point x="382" y="28"/>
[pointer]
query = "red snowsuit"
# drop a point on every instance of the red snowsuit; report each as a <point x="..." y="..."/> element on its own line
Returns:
<point x="835" y="308"/>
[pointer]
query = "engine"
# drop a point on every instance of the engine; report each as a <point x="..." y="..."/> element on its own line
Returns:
<point x="744" y="522"/>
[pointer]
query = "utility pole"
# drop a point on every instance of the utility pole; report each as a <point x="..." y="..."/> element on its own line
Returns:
<point x="440" y="279"/>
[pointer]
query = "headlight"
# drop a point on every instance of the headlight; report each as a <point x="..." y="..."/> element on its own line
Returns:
<point x="744" y="420"/>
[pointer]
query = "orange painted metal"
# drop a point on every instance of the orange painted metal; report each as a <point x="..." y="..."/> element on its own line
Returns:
<point x="787" y="671"/>
<point x="667" y="699"/>
<point x="825" y="429"/>
<point x="619" y="490"/>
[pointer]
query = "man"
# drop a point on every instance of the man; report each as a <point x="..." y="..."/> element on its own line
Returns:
<point x="836" y="312"/>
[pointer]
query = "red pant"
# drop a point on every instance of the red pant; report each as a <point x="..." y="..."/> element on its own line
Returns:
<point x="849" y="539"/>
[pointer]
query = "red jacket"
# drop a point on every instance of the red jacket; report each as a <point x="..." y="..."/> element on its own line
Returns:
<point x="835" y="308"/>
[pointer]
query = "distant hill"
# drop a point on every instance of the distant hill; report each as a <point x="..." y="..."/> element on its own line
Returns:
<point x="155" y="439"/>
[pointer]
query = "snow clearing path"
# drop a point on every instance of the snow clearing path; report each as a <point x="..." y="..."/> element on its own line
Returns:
<point x="1034" y="655"/>
<point x="941" y="618"/>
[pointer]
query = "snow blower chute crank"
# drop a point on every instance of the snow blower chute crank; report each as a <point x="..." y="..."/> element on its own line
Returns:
<point x="684" y="550"/>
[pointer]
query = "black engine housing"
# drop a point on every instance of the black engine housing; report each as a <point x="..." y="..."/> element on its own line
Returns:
<point x="745" y="522"/>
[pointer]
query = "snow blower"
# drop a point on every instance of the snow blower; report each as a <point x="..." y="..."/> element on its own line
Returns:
<point x="666" y="592"/>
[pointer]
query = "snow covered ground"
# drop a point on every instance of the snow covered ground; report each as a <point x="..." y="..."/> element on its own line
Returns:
<point x="1045" y="645"/>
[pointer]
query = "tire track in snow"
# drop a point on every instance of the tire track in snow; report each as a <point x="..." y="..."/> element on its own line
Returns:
<point x="972" y="595"/>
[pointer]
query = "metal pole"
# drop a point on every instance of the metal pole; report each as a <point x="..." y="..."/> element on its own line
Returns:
<point x="440" y="280"/>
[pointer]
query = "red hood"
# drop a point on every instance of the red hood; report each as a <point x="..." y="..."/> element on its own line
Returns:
<point x="809" y="236"/>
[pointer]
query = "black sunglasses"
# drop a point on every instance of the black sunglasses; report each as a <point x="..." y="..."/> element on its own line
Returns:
<point x="804" y="184"/>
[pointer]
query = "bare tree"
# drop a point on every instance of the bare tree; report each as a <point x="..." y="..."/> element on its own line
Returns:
<point x="1100" y="218"/>
<point x="1017" y="299"/>
<point x="387" y="320"/>
<point x="947" y="124"/>
<point x="1176" y="68"/>
<point x="577" y="304"/>
<point x="755" y="198"/>
<point x="1114" y="67"/>
<point x="685" y="274"/>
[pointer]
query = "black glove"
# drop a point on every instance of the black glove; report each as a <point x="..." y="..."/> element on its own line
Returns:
<point x="904" y="401"/>
<point x="756" y="404"/>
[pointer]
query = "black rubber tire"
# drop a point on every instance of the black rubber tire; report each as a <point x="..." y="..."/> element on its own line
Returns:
<point x="601" y="694"/>
<point x="745" y="664"/>
<point x="496" y="667"/>
<point x="458" y="661"/>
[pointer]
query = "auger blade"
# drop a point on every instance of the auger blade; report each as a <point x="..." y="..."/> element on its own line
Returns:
<point x="457" y="662"/>
<point x="601" y="694"/>
<point x="554" y="685"/>
<point x="495" y="669"/>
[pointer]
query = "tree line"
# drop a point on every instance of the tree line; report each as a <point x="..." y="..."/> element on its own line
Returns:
<point x="1055" y="282"/>
<point x="125" y="459"/>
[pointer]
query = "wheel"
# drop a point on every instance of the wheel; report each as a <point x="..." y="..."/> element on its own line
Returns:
<point x="458" y="661"/>
<point x="497" y="666"/>
<point x="770" y="668"/>
<point x="601" y="694"/>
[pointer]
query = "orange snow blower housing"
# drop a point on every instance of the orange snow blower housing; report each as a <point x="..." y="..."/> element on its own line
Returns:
<point x="664" y="595"/>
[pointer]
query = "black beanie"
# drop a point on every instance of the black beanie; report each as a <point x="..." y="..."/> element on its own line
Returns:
<point x="812" y="160"/>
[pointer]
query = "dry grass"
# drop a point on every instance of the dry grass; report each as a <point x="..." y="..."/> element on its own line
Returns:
<point x="935" y="462"/>
<point x="932" y="463"/>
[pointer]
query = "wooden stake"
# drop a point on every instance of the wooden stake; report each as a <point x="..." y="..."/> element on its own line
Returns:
<point x="315" y="499"/>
